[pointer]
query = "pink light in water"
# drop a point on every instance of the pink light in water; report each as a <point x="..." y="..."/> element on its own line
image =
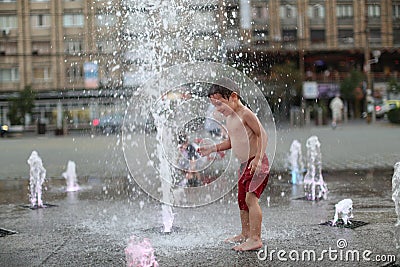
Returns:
<point x="140" y="254"/>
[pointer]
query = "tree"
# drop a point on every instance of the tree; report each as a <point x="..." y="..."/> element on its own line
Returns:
<point x="351" y="90"/>
<point x="393" y="87"/>
<point x="286" y="79"/>
<point x="21" y="105"/>
<point x="350" y="83"/>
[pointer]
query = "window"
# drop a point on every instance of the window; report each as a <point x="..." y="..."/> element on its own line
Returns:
<point x="375" y="36"/>
<point x="232" y="17"/>
<point x="317" y="36"/>
<point x="344" y="11"/>
<point x="105" y="20"/>
<point x="204" y="22"/>
<point x="288" y="11"/>
<point x="105" y="46"/>
<point x="8" y="48"/>
<point x="260" y="37"/>
<point x="7" y="1"/>
<point x="316" y="11"/>
<point x="396" y="11"/>
<point x="41" y="74"/>
<point x="74" y="72"/>
<point x="8" y="22"/>
<point x="396" y="36"/>
<point x="39" y="0"/>
<point x="9" y="75"/>
<point x="73" y="46"/>
<point x="346" y="36"/>
<point x="260" y="14"/>
<point x="41" y="47"/>
<point x="73" y="20"/>
<point x="203" y="44"/>
<point x="374" y="11"/>
<point x="40" y="21"/>
<point x="289" y="35"/>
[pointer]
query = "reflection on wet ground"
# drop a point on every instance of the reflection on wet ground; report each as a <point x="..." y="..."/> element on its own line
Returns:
<point x="95" y="223"/>
<point x="343" y="184"/>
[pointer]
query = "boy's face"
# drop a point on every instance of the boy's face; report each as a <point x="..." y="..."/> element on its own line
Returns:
<point x="221" y="104"/>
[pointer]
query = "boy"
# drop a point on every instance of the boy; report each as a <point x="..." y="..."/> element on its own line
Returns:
<point x="248" y="140"/>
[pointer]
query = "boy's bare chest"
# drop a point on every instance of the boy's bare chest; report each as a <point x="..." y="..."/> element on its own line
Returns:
<point x="236" y="127"/>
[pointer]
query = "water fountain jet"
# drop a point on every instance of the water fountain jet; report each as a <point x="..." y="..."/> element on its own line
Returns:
<point x="70" y="176"/>
<point x="314" y="186"/>
<point x="37" y="175"/>
<point x="396" y="190"/>
<point x="345" y="209"/>
<point x="296" y="162"/>
<point x="140" y="253"/>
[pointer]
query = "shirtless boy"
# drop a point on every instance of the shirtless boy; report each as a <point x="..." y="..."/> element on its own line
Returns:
<point x="248" y="140"/>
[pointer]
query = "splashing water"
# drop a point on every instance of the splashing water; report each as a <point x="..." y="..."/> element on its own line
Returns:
<point x="70" y="176"/>
<point x="396" y="190"/>
<point x="37" y="175"/>
<point x="345" y="209"/>
<point x="164" y="132"/>
<point x="155" y="38"/>
<point x="167" y="218"/>
<point x="140" y="254"/>
<point x="313" y="180"/>
<point x="396" y="199"/>
<point x="296" y="162"/>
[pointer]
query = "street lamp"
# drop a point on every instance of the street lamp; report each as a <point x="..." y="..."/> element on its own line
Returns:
<point x="367" y="68"/>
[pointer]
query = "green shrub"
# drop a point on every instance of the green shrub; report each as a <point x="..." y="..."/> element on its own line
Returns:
<point x="394" y="115"/>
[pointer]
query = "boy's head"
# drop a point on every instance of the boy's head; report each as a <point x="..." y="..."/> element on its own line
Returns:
<point x="225" y="96"/>
<point x="225" y="87"/>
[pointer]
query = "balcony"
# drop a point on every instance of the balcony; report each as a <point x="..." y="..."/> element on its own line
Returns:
<point x="317" y="21"/>
<point x="8" y="6"/>
<point x="41" y="32"/>
<point x="77" y="4"/>
<point x="45" y="5"/>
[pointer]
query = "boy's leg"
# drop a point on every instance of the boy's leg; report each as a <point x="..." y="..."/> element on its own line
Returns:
<point x="255" y="218"/>
<point x="244" y="219"/>
<point x="244" y="216"/>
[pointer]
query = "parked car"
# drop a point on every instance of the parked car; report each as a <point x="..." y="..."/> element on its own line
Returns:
<point x="380" y="108"/>
<point x="109" y="123"/>
<point x="392" y="104"/>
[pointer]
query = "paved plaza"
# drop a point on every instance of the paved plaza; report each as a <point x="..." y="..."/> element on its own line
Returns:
<point x="92" y="227"/>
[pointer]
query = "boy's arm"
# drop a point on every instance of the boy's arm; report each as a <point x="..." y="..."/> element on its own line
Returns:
<point x="206" y="150"/>
<point x="262" y="139"/>
<point x="225" y="145"/>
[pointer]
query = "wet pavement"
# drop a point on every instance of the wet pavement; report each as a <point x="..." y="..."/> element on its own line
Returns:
<point x="92" y="227"/>
<point x="352" y="146"/>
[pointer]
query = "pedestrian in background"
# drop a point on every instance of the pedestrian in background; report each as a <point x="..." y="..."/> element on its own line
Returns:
<point x="336" y="107"/>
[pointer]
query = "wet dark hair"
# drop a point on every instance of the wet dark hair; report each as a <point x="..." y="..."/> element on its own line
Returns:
<point x="225" y="87"/>
<point x="226" y="92"/>
<point x="218" y="89"/>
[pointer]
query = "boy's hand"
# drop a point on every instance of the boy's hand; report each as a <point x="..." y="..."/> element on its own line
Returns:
<point x="206" y="150"/>
<point x="255" y="165"/>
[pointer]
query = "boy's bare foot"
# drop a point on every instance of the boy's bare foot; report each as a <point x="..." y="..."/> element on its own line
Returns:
<point x="250" y="244"/>
<point x="235" y="239"/>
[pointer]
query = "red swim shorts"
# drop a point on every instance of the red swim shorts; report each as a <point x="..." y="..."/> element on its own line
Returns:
<point x="250" y="182"/>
